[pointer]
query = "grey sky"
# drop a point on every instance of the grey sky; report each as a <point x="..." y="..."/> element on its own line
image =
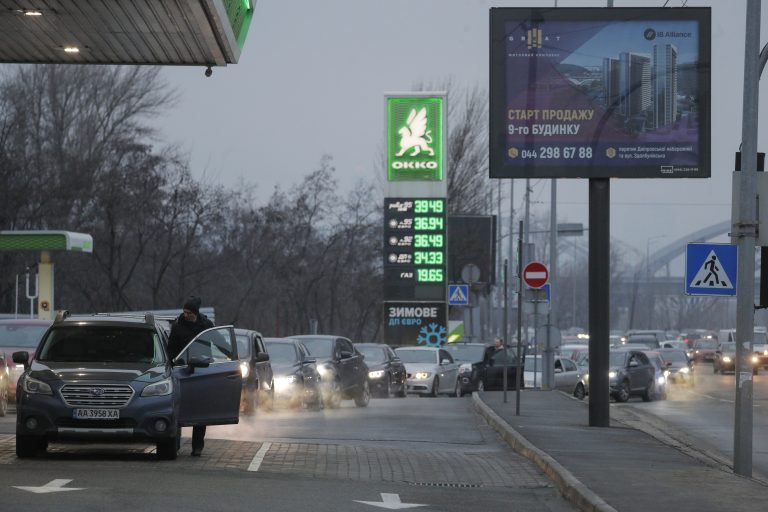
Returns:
<point x="313" y="74"/>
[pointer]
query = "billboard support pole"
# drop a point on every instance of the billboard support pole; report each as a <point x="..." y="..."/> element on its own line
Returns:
<point x="744" y="230"/>
<point x="519" y="371"/>
<point x="506" y="331"/>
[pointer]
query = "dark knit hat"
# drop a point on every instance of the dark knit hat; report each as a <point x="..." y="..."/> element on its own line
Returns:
<point x="193" y="304"/>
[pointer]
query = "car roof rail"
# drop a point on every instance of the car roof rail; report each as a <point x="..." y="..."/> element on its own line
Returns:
<point x="60" y="316"/>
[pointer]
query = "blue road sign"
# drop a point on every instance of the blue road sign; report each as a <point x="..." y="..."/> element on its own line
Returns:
<point x="458" y="294"/>
<point x="710" y="269"/>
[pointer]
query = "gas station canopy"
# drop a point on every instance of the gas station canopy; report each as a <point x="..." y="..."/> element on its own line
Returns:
<point x="157" y="32"/>
<point x="45" y="241"/>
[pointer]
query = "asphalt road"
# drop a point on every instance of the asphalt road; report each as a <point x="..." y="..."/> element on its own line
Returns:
<point x="706" y="412"/>
<point x="434" y="452"/>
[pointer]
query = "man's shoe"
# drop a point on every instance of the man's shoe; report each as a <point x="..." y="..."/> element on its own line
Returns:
<point x="196" y="452"/>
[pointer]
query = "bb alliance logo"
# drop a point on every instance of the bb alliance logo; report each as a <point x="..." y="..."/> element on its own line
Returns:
<point x="534" y="38"/>
<point x="415" y="134"/>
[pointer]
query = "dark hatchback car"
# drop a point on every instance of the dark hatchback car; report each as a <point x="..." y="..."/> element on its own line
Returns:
<point x="386" y="373"/>
<point x="258" y="385"/>
<point x="497" y="361"/>
<point x="343" y="373"/>
<point x="101" y="378"/>
<point x="16" y="335"/>
<point x="631" y="374"/>
<point x="295" y="376"/>
<point x="678" y="367"/>
<point x="725" y="359"/>
<point x="473" y="359"/>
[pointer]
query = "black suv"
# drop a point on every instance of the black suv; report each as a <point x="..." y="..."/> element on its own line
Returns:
<point x="631" y="374"/>
<point x="473" y="359"/>
<point x="343" y="373"/>
<point x="107" y="378"/>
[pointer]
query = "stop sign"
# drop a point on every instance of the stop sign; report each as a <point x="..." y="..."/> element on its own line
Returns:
<point x="535" y="274"/>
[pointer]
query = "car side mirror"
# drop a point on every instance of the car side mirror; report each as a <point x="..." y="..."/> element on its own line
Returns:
<point x="633" y="364"/>
<point x="445" y="361"/>
<point x="345" y="354"/>
<point x="558" y="370"/>
<point x="200" y="361"/>
<point x="21" y="357"/>
<point x="309" y="360"/>
<point x="262" y="357"/>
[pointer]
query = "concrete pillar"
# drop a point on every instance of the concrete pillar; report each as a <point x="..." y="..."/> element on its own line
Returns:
<point x="45" y="306"/>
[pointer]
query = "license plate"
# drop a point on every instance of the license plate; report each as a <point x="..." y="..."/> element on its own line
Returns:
<point x="96" y="414"/>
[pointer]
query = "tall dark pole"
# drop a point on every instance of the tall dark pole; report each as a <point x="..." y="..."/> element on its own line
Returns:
<point x="599" y="299"/>
<point x="506" y="330"/>
<point x="519" y="371"/>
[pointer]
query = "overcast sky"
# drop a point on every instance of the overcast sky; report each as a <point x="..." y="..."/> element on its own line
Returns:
<point x="312" y="77"/>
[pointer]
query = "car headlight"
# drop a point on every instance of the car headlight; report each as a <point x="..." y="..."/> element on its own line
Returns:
<point x="611" y="375"/>
<point x="465" y="368"/>
<point x="376" y="374"/>
<point x="282" y="383"/>
<point x="765" y="352"/>
<point x="726" y="359"/>
<point x="162" y="388"/>
<point x="696" y="351"/>
<point x="422" y="375"/>
<point x="661" y="380"/>
<point x="684" y="370"/>
<point x="324" y="370"/>
<point x="36" y="387"/>
<point x="666" y="373"/>
<point x="755" y="359"/>
<point x="586" y="377"/>
<point x="244" y="369"/>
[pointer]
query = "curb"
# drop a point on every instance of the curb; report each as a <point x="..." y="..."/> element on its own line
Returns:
<point x="569" y="486"/>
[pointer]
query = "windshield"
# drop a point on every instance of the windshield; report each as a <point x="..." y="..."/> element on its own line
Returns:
<point x="27" y="336"/>
<point x="466" y="353"/>
<point x="243" y="347"/>
<point x="281" y="352"/>
<point x="728" y="347"/>
<point x="705" y="344"/>
<point x="416" y="356"/>
<point x="373" y="354"/>
<point x="101" y="344"/>
<point x="676" y="356"/>
<point x="616" y="359"/>
<point x="319" y="347"/>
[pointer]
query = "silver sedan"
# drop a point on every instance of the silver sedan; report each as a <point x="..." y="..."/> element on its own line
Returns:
<point x="430" y="371"/>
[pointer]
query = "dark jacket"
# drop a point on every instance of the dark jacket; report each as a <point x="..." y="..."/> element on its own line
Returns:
<point x="182" y="332"/>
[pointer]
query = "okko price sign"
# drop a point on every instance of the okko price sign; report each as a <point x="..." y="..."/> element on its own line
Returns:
<point x="414" y="249"/>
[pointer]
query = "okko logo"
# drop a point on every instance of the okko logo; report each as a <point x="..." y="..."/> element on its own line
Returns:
<point x="415" y="137"/>
<point x="649" y="34"/>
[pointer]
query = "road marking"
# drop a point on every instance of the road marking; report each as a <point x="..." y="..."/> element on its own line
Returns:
<point x="259" y="457"/>
<point x="390" y="502"/>
<point x="52" y="486"/>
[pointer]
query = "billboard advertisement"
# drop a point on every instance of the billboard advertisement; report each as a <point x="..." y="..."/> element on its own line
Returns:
<point x="415" y="323"/>
<point x="600" y="93"/>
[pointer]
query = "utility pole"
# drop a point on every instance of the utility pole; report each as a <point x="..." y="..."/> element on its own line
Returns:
<point x="549" y="357"/>
<point x="744" y="230"/>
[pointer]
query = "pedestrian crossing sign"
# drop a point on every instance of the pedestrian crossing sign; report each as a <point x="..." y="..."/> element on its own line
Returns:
<point x="458" y="294"/>
<point x="710" y="269"/>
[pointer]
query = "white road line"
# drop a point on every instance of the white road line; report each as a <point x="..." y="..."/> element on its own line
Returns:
<point x="259" y="457"/>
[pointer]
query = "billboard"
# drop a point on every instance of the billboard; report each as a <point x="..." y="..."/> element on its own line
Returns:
<point x="415" y="323"/>
<point x="600" y="93"/>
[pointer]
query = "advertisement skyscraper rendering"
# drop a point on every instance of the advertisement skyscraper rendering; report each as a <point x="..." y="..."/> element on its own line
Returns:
<point x="581" y="92"/>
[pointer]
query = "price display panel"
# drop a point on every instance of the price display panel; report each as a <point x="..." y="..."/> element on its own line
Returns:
<point x="415" y="248"/>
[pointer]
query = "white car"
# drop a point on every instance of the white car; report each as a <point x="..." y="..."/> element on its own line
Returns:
<point x="430" y="371"/>
<point x="567" y="374"/>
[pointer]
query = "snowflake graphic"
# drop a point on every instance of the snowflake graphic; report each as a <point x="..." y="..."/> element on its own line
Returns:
<point x="432" y="335"/>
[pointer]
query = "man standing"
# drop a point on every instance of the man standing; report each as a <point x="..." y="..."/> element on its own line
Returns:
<point x="188" y="325"/>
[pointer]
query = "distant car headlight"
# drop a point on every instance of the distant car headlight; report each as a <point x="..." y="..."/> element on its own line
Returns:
<point x="162" y="388"/>
<point x="36" y="387"/>
<point x="586" y="377"/>
<point x="696" y="351"/>
<point x="421" y="375"/>
<point x="376" y="374"/>
<point x="465" y="368"/>
<point x="684" y="370"/>
<point x="726" y="359"/>
<point x="661" y="380"/>
<point x="612" y="375"/>
<point x="666" y="373"/>
<point x="765" y="352"/>
<point x="755" y="359"/>
<point x="244" y="369"/>
<point x="283" y="383"/>
<point x="324" y="370"/>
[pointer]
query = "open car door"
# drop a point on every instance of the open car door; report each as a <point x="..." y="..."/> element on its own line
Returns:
<point x="208" y="373"/>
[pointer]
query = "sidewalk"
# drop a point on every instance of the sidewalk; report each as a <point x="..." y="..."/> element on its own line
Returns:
<point x="617" y="468"/>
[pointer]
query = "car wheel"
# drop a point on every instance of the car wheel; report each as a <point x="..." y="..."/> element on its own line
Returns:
<point x="457" y="390"/>
<point x="29" y="446"/>
<point x="403" y="392"/>
<point x="435" y="387"/>
<point x="334" y="394"/>
<point x="364" y="396"/>
<point x="388" y="389"/>
<point x="580" y="392"/>
<point x="168" y="449"/>
<point x="622" y="395"/>
<point x="251" y="402"/>
<point x="650" y="391"/>
<point x="269" y="403"/>
<point x="3" y="401"/>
